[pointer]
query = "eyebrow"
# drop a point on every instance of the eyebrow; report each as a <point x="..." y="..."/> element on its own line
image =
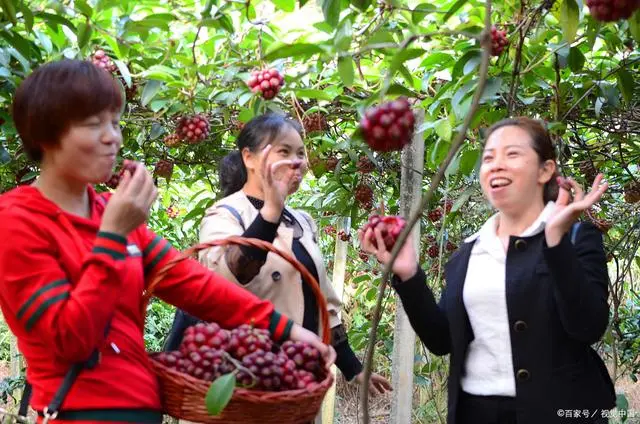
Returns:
<point x="289" y="146"/>
<point x="506" y="147"/>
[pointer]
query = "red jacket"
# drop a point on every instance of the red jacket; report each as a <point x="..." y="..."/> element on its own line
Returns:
<point x="61" y="281"/>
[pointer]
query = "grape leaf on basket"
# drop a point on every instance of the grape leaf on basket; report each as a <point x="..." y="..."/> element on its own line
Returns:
<point x="220" y="393"/>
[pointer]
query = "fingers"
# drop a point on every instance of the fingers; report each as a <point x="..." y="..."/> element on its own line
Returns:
<point x="138" y="178"/>
<point x="380" y="241"/>
<point x="263" y="163"/>
<point x="365" y="240"/>
<point x="329" y="357"/>
<point x="563" y="192"/>
<point x="385" y="384"/>
<point x="577" y="188"/>
<point x="279" y="164"/>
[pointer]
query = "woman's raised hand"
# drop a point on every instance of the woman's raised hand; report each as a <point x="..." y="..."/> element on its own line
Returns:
<point x="129" y="205"/>
<point x="277" y="178"/>
<point x="406" y="264"/>
<point x="568" y="210"/>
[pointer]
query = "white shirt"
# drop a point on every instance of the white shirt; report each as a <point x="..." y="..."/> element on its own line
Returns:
<point x="489" y="364"/>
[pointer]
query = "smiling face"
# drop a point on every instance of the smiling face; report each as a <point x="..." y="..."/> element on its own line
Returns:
<point x="512" y="175"/>
<point x="87" y="151"/>
<point x="287" y="145"/>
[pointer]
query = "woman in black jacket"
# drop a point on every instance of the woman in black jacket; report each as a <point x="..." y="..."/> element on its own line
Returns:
<point x="525" y="297"/>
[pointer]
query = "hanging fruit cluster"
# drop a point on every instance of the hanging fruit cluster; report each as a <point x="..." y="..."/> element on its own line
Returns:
<point x="389" y="126"/>
<point x="498" y="41"/>
<point x="101" y="60"/>
<point x="315" y="122"/>
<point x="364" y="196"/>
<point x="193" y="129"/>
<point x="612" y="10"/>
<point x="267" y="82"/>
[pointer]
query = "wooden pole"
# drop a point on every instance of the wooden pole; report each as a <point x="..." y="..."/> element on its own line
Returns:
<point x="339" y="272"/>
<point x="404" y="339"/>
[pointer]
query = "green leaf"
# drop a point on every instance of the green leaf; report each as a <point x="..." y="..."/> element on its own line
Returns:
<point x="634" y="25"/>
<point x="443" y="129"/>
<point x="472" y="64"/>
<point x="569" y="19"/>
<point x="458" y="68"/>
<point x="345" y="68"/>
<point x="245" y="115"/>
<point x="401" y="57"/>
<point x="84" y="33"/>
<point x="453" y="10"/>
<point x="310" y="93"/>
<point x="219" y="393"/>
<point x="396" y="89"/>
<point x="437" y="60"/>
<point x="156" y="130"/>
<point x="491" y="89"/>
<point x="206" y="11"/>
<point x="226" y="24"/>
<point x="150" y="89"/>
<point x="381" y="37"/>
<point x="286" y="5"/>
<point x="468" y="160"/>
<point x="464" y="198"/>
<point x="301" y="50"/>
<point x="420" y="11"/>
<point x="84" y="7"/>
<point x="331" y="11"/>
<point x="9" y="11"/>
<point x="371" y="294"/>
<point x="56" y="20"/>
<point x="27" y="15"/>
<point x="361" y="4"/>
<point x="124" y="71"/>
<point x="438" y="153"/>
<point x="576" y="59"/>
<point x="343" y="37"/>
<point x="458" y="103"/>
<point x="18" y="42"/>
<point x="626" y="84"/>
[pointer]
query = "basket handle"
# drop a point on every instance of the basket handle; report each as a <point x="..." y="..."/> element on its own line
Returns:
<point x="252" y="242"/>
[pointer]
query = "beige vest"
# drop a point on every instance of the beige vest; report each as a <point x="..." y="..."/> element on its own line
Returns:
<point x="277" y="281"/>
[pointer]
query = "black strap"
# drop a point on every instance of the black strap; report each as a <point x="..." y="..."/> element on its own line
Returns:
<point x="235" y="213"/>
<point x="51" y="411"/>
<point x="24" y="400"/>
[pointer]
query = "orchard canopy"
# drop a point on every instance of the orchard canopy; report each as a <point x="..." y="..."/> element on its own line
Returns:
<point x="176" y="59"/>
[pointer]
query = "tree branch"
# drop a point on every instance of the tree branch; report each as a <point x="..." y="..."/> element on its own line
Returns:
<point x="485" y="40"/>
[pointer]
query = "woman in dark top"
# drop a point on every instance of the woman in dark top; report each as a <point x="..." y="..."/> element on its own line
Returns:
<point x="256" y="179"/>
<point x="525" y="297"/>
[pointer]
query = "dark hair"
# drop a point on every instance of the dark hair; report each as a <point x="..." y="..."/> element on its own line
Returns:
<point x="55" y="96"/>
<point x="541" y="143"/>
<point x="258" y="132"/>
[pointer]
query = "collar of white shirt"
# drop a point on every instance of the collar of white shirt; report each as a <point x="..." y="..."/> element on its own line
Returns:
<point x="488" y="230"/>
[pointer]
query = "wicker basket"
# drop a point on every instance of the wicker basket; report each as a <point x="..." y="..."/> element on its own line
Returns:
<point x="183" y="395"/>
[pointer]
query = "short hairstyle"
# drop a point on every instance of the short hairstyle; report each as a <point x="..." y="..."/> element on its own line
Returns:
<point x="55" y="96"/>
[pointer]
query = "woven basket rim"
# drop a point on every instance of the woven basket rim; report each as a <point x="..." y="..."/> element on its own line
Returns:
<point x="247" y="394"/>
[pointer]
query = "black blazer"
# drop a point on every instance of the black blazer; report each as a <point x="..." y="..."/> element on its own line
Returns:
<point x="557" y="307"/>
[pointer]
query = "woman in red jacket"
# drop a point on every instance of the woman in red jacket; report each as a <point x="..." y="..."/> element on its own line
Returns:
<point x="73" y="274"/>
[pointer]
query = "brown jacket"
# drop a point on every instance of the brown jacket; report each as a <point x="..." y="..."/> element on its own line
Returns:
<point x="285" y="290"/>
